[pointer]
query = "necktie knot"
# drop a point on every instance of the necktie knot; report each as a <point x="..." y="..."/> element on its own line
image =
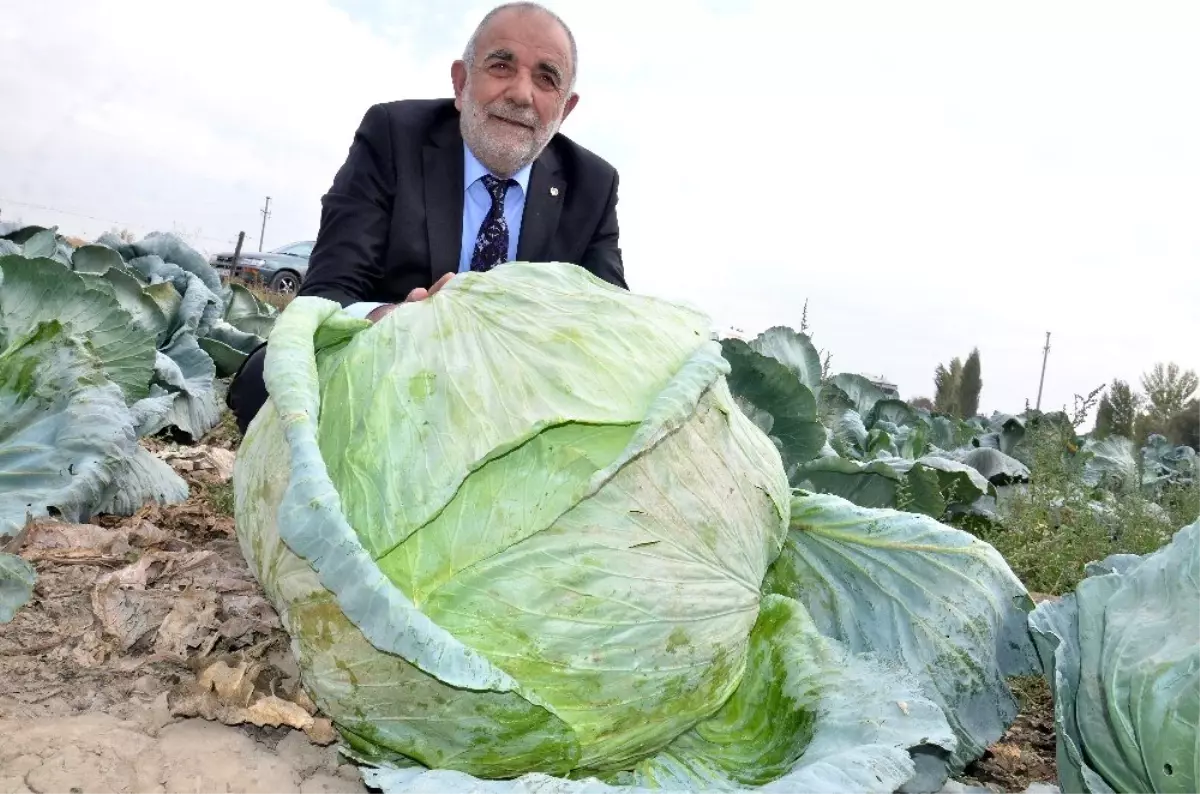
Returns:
<point x="496" y="187"/>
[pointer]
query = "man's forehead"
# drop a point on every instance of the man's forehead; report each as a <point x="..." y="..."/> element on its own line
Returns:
<point x="521" y="28"/>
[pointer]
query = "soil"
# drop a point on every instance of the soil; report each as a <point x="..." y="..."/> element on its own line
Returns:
<point x="1024" y="755"/>
<point x="149" y="660"/>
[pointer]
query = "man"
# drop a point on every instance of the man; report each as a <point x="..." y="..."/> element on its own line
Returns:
<point x="431" y="188"/>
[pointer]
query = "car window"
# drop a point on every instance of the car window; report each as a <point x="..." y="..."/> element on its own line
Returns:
<point x="298" y="249"/>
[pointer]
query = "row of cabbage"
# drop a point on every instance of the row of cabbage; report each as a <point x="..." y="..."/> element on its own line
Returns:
<point x="102" y="345"/>
<point x="846" y="435"/>
<point x="1121" y="652"/>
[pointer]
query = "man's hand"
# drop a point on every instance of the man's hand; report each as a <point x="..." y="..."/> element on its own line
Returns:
<point x="419" y="294"/>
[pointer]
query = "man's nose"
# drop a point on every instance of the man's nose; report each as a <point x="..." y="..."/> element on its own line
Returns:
<point x="520" y="88"/>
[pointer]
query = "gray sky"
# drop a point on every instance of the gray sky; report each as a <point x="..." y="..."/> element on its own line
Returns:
<point x="930" y="179"/>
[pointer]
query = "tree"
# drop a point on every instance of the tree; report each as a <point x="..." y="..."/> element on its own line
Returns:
<point x="1184" y="428"/>
<point x="922" y="402"/>
<point x="1104" y="419"/>
<point x="1148" y="424"/>
<point x="946" y="387"/>
<point x="970" y="386"/>
<point x="1168" y="389"/>
<point x="1125" y="406"/>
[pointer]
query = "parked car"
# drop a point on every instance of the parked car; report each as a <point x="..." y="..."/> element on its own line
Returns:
<point x="281" y="270"/>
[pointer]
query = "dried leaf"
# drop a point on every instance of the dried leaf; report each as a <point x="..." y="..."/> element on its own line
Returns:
<point x="217" y="462"/>
<point x="275" y="711"/>
<point x="234" y="685"/>
<point x="128" y="614"/>
<point x="83" y="543"/>
<point x="191" y="619"/>
<point x="305" y="701"/>
<point x="227" y="694"/>
<point x="321" y="731"/>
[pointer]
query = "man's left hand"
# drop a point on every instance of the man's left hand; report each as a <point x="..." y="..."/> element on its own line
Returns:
<point x="418" y="294"/>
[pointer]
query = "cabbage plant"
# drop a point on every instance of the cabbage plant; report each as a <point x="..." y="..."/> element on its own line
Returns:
<point x="844" y="435"/>
<point x="101" y="345"/>
<point x="1115" y="464"/>
<point x="523" y="531"/>
<point x="75" y="395"/>
<point x="1122" y="657"/>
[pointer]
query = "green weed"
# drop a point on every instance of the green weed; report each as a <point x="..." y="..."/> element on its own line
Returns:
<point x="1051" y="528"/>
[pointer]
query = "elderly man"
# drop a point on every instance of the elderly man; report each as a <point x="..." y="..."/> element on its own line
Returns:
<point x="431" y="188"/>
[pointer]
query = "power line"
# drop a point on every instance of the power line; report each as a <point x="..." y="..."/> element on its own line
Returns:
<point x="109" y="221"/>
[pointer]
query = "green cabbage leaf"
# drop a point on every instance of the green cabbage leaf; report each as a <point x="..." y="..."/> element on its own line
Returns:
<point x="1122" y="657"/>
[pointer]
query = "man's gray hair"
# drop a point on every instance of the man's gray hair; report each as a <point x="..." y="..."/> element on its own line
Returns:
<point x="473" y="42"/>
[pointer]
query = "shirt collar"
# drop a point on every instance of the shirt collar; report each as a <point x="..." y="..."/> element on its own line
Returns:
<point x="473" y="170"/>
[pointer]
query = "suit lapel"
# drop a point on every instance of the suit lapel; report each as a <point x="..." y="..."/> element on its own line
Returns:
<point x="543" y="205"/>
<point x="443" y="161"/>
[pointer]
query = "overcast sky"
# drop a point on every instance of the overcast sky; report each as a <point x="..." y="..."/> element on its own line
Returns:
<point x="929" y="179"/>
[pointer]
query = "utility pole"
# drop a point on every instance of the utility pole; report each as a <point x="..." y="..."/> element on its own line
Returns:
<point x="1042" y="382"/>
<point x="266" y="213"/>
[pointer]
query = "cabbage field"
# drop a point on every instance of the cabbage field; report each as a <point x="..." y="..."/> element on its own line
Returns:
<point x="102" y="345"/>
<point x="537" y="533"/>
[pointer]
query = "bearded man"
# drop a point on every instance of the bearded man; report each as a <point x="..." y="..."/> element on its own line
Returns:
<point x="432" y="188"/>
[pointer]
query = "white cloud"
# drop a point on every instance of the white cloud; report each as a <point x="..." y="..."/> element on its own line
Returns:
<point x="191" y="113"/>
<point x="930" y="177"/>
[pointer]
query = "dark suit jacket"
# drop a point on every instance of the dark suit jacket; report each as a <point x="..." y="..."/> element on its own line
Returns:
<point x="392" y="221"/>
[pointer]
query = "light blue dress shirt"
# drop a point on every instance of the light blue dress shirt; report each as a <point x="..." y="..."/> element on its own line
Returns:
<point x="477" y="202"/>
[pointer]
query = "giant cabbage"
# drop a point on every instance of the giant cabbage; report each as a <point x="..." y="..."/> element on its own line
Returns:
<point x="523" y="530"/>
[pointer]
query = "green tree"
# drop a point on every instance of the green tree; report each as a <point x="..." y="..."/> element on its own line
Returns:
<point x="922" y="402"/>
<point x="1168" y="389"/>
<point x="1148" y="424"/>
<point x="946" y="387"/>
<point x="1104" y="419"/>
<point x="1185" y="426"/>
<point x="1125" y="407"/>
<point x="970" y="386"/>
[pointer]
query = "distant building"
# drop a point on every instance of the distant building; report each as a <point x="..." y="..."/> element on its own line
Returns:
<point x="734" y="333"/>
<point x="884" y="384"/>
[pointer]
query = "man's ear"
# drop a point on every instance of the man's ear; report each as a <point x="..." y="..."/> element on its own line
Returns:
<point x="458" y="76"/>
<point x="572" y="101"/>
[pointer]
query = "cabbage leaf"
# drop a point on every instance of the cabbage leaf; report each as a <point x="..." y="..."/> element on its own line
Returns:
<point x="925" y="596"/>
<point x="1122" y="657"/>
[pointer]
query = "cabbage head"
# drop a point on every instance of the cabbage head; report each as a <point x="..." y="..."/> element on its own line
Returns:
<point x="522" y="530"/>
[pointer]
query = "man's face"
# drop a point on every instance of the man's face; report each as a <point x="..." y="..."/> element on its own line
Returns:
<point x="515" y="96"/>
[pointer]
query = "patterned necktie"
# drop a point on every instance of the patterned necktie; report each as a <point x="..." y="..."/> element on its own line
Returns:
<point x="491" y="246"/>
